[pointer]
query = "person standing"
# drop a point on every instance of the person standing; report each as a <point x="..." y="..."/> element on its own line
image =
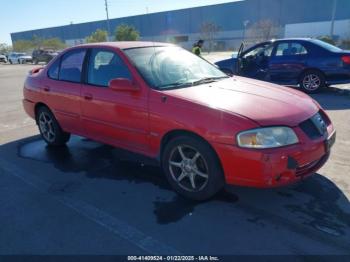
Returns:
<point x="197" y="48"/>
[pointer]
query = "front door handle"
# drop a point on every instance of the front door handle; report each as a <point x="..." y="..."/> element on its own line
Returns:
<point x="88" y="97"/>
<point x="46" y="88"/>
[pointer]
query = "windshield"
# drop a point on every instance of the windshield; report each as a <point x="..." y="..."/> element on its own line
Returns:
<point x="172" y="67"/>
<point x="327" y="46"/>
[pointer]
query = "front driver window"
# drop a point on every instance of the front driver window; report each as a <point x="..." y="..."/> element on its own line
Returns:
<point x="264" y="50"/>
<point x="104" y="66"/>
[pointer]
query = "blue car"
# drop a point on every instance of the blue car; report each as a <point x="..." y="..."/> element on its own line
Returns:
<point x="310" y="64"/>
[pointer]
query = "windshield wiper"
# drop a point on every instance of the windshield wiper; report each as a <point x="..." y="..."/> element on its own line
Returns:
<point x="176" y="84"/>
<point x="193" y="83"/>
<point x="208" y="80"/>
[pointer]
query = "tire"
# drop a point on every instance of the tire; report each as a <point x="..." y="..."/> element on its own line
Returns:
<point x="50" y="129"/>
<point x="312" y="81"/>
<point x="10" y="61"/>
<point x="35" y="61"/>
<point x="19" y="61"/>
<point x="192" y="168"/>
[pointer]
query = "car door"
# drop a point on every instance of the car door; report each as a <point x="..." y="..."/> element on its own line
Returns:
<point x="254" y="62"/>
<point x="119" y="118"/>
<point x="63" y="88"/>
<point x="289" y="59"/>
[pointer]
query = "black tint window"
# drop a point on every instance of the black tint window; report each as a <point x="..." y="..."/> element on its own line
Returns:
<point x="54" y="69"/>
<point x="71" y="66"/>
<point x="104" y="66"/>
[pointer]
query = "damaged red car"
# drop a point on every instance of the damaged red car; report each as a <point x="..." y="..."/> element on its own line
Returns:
<point x="205" y="128"/>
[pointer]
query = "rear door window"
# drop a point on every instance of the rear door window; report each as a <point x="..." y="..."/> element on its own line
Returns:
<point x="71" y="66"/>
<point x="290" y="49"/>
<point x="54" y="70"/>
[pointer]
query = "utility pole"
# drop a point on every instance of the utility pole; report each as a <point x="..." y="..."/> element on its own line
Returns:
<point x="108" y="25"/>
<point x="245" y="24"/>
<point x="334" y="11"/>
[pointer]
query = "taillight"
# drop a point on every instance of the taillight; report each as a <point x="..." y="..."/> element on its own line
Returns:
<point x="346" y="59"/>
<point x="35" y="70"/>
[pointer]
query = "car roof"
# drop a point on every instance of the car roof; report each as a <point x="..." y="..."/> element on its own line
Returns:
<point x="291" y="39"/>
<point x="126" y="44"/>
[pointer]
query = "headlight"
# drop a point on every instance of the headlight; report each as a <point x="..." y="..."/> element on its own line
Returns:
<point x="269" y="137"/>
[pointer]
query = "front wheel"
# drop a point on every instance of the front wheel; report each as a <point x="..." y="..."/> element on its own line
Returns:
<point x="312" y="81"/>
<point x="192" y="168"/>
<point x="50" y="129"/>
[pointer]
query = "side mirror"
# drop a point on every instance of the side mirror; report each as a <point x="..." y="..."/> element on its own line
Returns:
<point x="123" y="84"/>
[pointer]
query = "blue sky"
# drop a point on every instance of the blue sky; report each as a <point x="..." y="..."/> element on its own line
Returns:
<point x="22" y="15"/>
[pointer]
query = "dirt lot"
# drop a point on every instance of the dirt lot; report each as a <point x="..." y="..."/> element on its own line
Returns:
<point x="90" y="198"/>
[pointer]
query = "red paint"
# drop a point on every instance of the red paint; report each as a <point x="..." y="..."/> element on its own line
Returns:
<point x="137" y="119"/>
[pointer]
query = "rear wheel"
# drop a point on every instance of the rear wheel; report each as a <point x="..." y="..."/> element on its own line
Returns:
<point x="50" y="129"/>
<point x="312" y="81"/>
<point x="192" y="168"/>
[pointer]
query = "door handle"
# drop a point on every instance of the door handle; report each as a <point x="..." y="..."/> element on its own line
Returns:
<point x="88" y="97"/>
<point x="46" y="88"/>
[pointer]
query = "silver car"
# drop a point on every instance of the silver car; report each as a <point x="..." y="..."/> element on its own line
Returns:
<point x="3" y="58"/>
<point x="19" y="58"/>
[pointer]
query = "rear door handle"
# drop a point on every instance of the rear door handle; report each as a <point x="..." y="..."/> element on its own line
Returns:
<point x="88" y="97"/>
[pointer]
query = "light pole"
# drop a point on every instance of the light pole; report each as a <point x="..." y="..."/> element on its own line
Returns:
<point x="245" y="24"/>
<point x="108" y="25"/>
<point x="334" y="12"/>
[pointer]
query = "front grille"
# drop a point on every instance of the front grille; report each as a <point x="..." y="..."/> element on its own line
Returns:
<point x="315" y="127"/>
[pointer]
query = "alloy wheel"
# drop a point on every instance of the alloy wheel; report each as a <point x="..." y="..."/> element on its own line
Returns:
<point x="46" y="127"/>
<point x="188" y="168"/>
<point x="311" y="82"/>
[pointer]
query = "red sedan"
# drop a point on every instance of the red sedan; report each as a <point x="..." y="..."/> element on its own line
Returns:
<point x="205" y="128"/>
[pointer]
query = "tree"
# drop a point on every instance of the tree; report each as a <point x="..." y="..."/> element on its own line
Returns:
<point x="327" y="39"/>
<point x="97" y="36"/>
<point x="36" y="42"/>
<point x="5" y="48"/>
<point x="126" y="33"/>
<point x="346" y="44"/>
<point x="263" y="30"/>
<point x="23" y="45"/>
<point x="53" y="43"/>
<point x="208" y="31"/>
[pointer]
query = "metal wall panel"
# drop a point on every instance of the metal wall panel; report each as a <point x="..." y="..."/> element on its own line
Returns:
<point x="229" y="17"/>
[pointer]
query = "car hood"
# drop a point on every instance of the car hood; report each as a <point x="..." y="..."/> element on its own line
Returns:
<point x="265" y="103"/>
<point x="25" y="57"/>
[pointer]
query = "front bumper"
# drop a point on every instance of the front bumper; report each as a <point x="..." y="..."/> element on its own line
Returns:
<point x="274" y="167"/>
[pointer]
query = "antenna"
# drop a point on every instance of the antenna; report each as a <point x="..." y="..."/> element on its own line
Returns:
<point x="149" y="21"/>
<point x="108" y="24"/>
